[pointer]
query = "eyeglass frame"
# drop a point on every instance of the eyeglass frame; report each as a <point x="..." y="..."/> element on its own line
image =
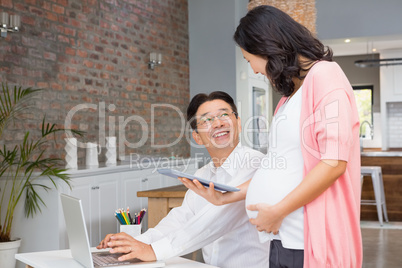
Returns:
<point x="217" y="116"/>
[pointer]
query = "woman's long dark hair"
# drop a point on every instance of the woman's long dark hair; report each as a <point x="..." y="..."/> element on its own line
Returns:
<point x="270" y="33"/>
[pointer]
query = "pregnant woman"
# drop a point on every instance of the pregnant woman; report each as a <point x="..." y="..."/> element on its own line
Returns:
<point x="305" y="197"/>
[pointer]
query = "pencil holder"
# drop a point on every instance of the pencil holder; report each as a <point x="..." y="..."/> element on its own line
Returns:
<point x="133" y="229"/>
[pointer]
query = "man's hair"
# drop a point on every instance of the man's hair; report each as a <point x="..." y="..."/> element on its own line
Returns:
<point x="201" y="98"/>
<point x="273" y="35"/>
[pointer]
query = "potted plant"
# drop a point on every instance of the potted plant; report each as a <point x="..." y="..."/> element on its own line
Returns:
<point x="22" y="164"/>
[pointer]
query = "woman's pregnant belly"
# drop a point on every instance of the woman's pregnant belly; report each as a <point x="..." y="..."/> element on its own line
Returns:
<point x="270" y="186"/>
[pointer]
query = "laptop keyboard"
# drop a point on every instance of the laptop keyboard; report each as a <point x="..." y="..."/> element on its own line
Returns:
<point x="107" y="259"/>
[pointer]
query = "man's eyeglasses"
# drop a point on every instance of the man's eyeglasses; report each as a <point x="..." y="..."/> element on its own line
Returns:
<point x="208" y="120"/>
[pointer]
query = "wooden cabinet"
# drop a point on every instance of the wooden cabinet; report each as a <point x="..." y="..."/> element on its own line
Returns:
<point x="392" y="177"/>
<point x="161" y="201"/>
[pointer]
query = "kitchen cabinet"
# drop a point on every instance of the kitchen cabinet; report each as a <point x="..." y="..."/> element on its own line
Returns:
<point x="392" y="177"/>
<point x="100" y="198"/>
<point x="131" y="183"/>
<point x="391" y="94"/>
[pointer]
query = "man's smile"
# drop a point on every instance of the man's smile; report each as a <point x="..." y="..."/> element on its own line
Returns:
<point x="220" y="134"/>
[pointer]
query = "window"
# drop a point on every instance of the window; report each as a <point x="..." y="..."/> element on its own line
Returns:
<point x="364" y="100"/>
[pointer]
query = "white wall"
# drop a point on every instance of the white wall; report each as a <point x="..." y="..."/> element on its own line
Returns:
<point x="358" y="18"/>
<point x="212" y="50"/>
<point x="212" y="24"/>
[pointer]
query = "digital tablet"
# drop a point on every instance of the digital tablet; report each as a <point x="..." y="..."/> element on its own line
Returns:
<point x="218" y="186"/>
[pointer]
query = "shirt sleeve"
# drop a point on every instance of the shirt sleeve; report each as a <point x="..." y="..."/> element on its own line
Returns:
<point x="333" y="125"/>
<point x="205" y="227"/>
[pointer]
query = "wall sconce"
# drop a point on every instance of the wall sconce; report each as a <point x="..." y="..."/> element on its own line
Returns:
<point x="9" y="23"/>
<point x="154" y="60"/>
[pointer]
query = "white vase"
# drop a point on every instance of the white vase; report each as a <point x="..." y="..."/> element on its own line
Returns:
<point x="92" y="152"/>
<point x="111" y="157"/>
<point x="71" y="153"/>
<point x="7" y="253"/>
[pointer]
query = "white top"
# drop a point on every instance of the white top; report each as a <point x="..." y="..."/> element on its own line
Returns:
<point x="281" y="171"/>
<point x="224" y="232"/>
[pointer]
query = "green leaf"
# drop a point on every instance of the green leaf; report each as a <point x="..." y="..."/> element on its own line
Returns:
<point x="14" y="104"/>
<point x="33" y="201"/>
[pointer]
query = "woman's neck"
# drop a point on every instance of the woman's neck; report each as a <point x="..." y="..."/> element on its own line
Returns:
<point x="307" y="64"/>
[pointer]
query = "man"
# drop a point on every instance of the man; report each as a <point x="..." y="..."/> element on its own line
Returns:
<point x="223" y="232"/>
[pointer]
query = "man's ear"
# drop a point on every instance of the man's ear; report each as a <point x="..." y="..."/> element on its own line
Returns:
<point x="197" y="138"/>
<point x="239" y="122"/>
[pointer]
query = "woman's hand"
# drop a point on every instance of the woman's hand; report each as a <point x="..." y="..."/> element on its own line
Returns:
<point x="126" y="244"/>
<point x="268" y="219"/>
<point x="213" y="196"/>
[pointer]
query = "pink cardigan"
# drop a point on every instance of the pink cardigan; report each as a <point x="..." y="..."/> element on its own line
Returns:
<point x="329" y="128"/>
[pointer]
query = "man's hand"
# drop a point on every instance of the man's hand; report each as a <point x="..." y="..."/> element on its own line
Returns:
<point x="213" y="196"/>
<point x="126" y="244"/>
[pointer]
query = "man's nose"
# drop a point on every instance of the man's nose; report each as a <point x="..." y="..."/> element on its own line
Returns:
<point x="217" y="122"/>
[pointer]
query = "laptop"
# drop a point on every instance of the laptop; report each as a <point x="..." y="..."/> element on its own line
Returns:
<point x="79" y="242"/>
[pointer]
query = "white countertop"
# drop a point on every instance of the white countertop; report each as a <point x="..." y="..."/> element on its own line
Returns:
<point x="133" y="163"/>
<point x="63" y="259"/>
<point x="382" y="154"/>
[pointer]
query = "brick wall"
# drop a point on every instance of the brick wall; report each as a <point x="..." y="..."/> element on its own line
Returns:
<point x="302" y="11"/>
<point x="94" y="54"/>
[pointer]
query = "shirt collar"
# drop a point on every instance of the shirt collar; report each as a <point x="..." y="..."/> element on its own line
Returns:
<point x="229" y="165"/>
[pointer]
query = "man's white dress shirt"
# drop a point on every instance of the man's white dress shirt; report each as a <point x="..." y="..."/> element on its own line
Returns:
<point x="223" y="232"/>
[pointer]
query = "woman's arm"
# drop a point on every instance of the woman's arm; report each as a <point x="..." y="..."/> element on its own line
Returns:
<point x="320" y="178"/>
<point x="216" y="197"/>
